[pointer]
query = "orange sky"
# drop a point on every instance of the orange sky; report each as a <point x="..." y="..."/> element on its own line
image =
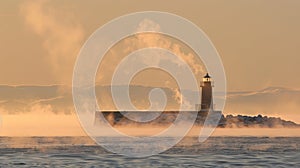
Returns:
<point x="257" y="40"/>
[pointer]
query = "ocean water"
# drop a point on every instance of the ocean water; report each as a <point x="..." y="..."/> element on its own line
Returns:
<point x="215" y="152"/>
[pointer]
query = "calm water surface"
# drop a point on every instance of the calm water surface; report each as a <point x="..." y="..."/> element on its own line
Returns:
<point x="215" y="152"/>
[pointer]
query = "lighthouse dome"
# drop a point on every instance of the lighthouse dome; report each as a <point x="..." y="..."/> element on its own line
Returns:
<point x="206" y="76"/>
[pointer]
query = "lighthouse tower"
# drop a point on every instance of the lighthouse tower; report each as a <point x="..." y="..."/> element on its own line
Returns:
<point x="206" y="97"/>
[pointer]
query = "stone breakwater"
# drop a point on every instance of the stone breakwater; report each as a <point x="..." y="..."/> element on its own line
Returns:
<point x="116" y="118"/>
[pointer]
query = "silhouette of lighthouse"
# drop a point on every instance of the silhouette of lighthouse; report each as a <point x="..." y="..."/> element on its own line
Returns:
<point x="206" y="96"/>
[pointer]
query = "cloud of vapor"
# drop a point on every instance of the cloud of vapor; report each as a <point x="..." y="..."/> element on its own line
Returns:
<point x="176" y="47"/>
<point x="158" y="40"/>
<point x="62" y="35"/>
<point x="147" y="40"/>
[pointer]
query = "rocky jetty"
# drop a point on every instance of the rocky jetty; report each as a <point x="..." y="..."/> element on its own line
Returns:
<point x="230" y="121"/>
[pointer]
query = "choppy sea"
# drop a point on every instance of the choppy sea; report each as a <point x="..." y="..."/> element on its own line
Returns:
<point x="215" y="152"/>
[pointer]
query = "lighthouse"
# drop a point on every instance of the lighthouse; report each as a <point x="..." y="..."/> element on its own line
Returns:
<point x="206" y="96"/>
